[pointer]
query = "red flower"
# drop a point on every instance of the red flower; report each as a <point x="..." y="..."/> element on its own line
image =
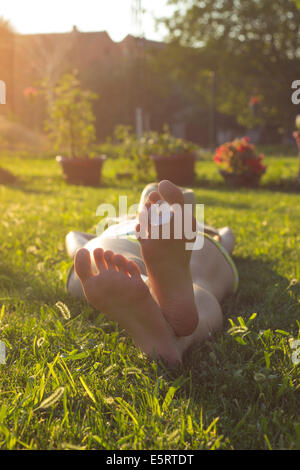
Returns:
<point x="296" y="136"/>
<point x="254" y="100"/>
<point x="217" y="159"/>
<point x="30" y="92"/>
<point x="239" y="157"/>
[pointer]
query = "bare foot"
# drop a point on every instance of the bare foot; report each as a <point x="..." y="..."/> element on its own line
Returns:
<point x="119" y="292"/>
<point x="168" y="265"/>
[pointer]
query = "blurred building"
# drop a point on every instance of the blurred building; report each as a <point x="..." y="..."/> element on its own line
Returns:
<point x="118" y="72"/>
<point x="114" y="70"/>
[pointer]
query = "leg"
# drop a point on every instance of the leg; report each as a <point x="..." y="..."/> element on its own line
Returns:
<point x="210" y="319"/>
<point x="118" y="290"/>
<point x="227" y="239"/>
<point x="75" y="240"/>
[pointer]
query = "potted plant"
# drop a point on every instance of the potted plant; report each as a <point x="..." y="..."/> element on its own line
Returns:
<point x="71" y="126"/>
<point x="132" y="153"/>
<point x="239" y="163"/>
<point x="174" y="158"/>
<point x="296" y="135"/>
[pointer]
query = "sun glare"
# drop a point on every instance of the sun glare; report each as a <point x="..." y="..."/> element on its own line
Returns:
<point x="113" y="16"/>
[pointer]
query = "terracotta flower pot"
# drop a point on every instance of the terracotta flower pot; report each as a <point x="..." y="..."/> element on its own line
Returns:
<point x="180" y="169"/>
<point x="246" y="179"/>
<point x="82" y="171"/>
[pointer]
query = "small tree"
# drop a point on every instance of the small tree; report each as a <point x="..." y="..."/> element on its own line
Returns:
<point x="71" y="117"/>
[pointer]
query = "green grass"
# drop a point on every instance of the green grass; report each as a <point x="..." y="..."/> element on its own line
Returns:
<point x="74" y="380"/>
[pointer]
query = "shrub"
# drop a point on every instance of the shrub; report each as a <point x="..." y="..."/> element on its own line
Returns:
<point x="71" y="117"/>
<point x="137" y="151"/>
<point x="165" y="144"/>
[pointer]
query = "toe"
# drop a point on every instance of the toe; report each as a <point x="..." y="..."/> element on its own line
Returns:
<point x="133" y="269"/>
<point x="109" y="255"/>
<point x="120" y="261"/>
<point x="142" y="228"/>
<point x="170" y="192"/>
<point x="141" y="233"/>
<point x="137" y="231"/>
<point x="154" y="197"/>
<point x="83" y="265"/>
<point x="146" y="206"/>
<point x="99" y="260"/>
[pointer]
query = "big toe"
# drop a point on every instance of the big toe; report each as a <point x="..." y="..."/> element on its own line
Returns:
<point x="170" y="192"/>
<point x="83" y="265"/>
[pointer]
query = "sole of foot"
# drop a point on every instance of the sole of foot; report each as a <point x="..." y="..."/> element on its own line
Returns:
<point x="168" y="262"/>
<point x="118" y="291"/>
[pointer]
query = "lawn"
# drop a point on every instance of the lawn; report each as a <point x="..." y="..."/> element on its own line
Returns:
<point x="72" y="380"/>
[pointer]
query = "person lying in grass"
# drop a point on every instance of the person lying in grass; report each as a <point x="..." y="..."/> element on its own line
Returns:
<point x="165" y="296"/>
